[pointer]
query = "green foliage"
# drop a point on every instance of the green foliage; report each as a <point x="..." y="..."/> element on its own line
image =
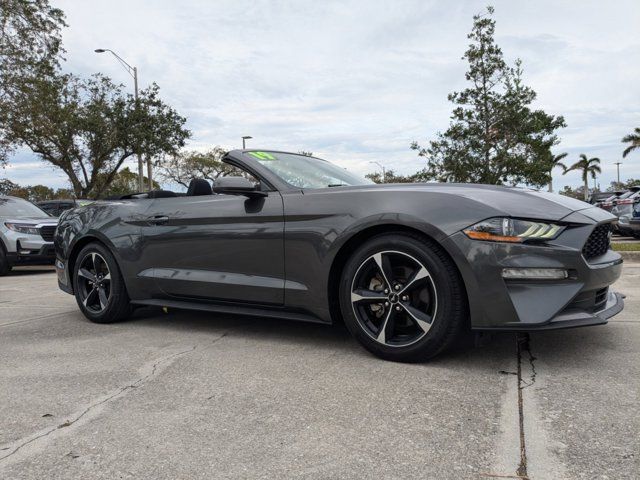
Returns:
<point x="577" y="193"/>
<point x="494" y="136"/>
<point x="33" y="193"/>
<point x="125" y="182"/>
<point x="30" y="46"/>
<point x="391" y="177"/>
<point x="184" y="167"/>
<point x="588" y="167"/>
<point x="615" y="186"/>
<point x="88" y="128"/>
<point x="556" y="161"/>
<point x="633" y="139"/>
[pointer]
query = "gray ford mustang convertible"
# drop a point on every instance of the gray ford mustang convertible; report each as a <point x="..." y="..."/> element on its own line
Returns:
<point x="407" y="267"/>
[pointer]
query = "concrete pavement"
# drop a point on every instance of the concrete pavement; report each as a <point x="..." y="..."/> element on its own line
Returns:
<point x="189" y="395"/>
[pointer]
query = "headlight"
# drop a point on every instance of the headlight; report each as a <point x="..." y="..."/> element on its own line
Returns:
<point x="512" y="230"/>
<point x="20" y="228"/>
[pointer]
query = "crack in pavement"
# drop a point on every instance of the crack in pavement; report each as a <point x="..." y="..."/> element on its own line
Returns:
<point x="118" y="393"/>
<point x="35" y="319"/>
<point x="523" y="344"/>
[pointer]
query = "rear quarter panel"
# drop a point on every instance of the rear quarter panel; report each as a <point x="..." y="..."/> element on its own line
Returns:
<point x="115" y="224"/>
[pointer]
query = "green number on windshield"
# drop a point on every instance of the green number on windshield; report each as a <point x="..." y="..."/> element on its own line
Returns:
<point x="262" y="155"/>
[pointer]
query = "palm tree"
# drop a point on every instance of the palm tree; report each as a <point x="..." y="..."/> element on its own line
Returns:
<point x="633" y="139"/>
<point x="556" y="162"/>
<point x="589" y="167"/>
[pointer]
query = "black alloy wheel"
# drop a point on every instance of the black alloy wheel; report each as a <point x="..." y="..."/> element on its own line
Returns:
<point x="402" y="297"/>
<point x="98" y="285"/>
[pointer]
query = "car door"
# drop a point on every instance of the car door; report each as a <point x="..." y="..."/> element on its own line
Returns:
<point x="216" y="247"/>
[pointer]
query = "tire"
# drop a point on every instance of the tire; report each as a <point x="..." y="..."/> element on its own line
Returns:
<point x="5" y="268"/>
<point x="423" y="310"/>
<point x="108" y="302"/>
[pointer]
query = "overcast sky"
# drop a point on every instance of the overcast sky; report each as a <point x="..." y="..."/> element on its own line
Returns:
<point x="357" y="81"/>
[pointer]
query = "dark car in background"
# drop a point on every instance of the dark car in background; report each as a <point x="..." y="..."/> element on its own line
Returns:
<point x="56" y="207"/>
<point x="408" y="267"/>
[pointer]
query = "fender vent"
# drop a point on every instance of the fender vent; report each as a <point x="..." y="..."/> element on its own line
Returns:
<point x="598" y="242"/>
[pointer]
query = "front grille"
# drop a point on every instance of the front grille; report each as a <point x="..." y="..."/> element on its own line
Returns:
<point x="598" y="242"/>
<point x="47" y="232"/>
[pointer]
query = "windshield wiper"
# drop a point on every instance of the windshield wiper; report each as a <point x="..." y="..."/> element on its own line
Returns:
<point x="337" y="185"/>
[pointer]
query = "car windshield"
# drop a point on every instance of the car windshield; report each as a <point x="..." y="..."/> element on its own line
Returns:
<point x="16" y="207"/>
<point x="307" y="172"/>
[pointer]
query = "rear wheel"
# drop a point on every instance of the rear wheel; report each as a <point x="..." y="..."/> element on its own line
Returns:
<point x="98" y="285"/>
<point x="402" y="298"/>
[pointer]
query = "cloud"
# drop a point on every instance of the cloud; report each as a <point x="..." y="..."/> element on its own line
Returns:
<point x="357" y="81"/>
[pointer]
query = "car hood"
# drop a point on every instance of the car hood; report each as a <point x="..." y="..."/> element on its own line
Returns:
<point x="31" y="220"/>
<point x="513" y="201"/>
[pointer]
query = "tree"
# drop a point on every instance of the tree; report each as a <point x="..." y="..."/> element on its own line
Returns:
<point x="184" y="167"/>
<point x="88" y="128"/>
<point x="6" y="186"/>
<point x="633" y="139"/>
<point x="577" y="193"/>
<point x="391" y="177"/>
<point x="33" y="193"/>
<point x="30" y="46"/>
<point x="125" y="182"/>
<point x="305" y="153"/>
<point x="556" y="161"/>
<point x="618" y="186"/>
<point x="588" y="167"/>
<point x="494" y="136"/>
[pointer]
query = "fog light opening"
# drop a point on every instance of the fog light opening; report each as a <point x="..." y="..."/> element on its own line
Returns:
<point x="535" y="273"/>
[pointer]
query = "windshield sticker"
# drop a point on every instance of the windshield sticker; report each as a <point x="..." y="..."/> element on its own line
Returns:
<point x="262" y="155"/>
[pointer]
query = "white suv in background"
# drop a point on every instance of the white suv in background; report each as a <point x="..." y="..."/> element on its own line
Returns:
<point x="26" y="234"/>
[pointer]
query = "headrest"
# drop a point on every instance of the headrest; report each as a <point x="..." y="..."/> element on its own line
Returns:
<point x="199" y="186"/>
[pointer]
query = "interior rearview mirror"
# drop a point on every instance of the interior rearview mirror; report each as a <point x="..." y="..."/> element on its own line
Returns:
<point x="237" y="186"/>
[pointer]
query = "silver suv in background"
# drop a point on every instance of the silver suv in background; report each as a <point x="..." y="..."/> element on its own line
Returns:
<point x="26" y="234"/>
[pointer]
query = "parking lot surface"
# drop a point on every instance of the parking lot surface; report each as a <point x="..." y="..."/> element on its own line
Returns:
<point x="191" y="395"/>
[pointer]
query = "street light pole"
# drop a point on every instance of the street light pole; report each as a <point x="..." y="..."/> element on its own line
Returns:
<point x="133" y="71"/>
<point x="383" y="170"/>
<point x="617" y="164"/>
<point x="246" y="137"/>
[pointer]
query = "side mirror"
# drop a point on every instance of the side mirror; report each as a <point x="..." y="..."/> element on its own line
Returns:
<point x="237" y="186"/>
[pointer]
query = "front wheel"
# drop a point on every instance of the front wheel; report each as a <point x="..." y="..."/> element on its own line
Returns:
<point x="5" y="268"/>
<point x="402" y="297"/>
<point x="98" y="285"/>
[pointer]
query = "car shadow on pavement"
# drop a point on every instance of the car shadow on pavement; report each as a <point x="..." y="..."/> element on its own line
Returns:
<point x="332" y="338"/>
<point x="25" y="271"/>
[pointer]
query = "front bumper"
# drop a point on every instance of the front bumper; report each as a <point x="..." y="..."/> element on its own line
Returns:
<point x="26" y="249"/>
<point x="496" y="303"/>
<point x="43" y="256"/>
<point x="573" y="318"/>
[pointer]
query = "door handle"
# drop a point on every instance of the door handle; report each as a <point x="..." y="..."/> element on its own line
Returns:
<point x="158" y="219"/>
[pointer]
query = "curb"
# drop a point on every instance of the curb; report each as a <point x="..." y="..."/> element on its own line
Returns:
<point x="630" y="256"/>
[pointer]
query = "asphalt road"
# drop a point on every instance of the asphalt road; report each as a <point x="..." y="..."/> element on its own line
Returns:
<point x="184" y="395"/>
